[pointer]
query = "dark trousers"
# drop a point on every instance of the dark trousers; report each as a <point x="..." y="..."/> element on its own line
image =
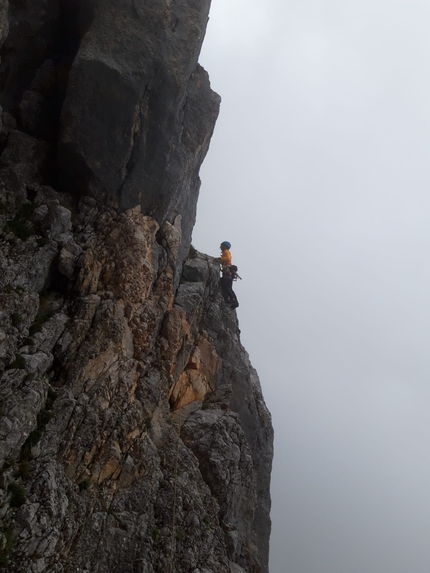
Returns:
<point x="227" y="289"/>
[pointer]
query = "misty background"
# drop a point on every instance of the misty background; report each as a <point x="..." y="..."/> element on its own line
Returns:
<point x="318" y="174"/>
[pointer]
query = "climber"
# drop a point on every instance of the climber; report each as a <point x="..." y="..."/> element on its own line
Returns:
<point x="229" y="274"/>
<point x="225" y="258"/>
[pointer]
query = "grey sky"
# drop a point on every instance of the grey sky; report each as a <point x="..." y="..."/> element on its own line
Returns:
<point x="319" y="175"/>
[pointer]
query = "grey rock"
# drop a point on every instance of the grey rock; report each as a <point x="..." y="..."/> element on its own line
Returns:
<point x="8" y="121"/>
<point x="47" y="337"/>
<point x="190" y="296"/>
<point x="40" y="213"/>
<point x="22" y="399"/>
<point x="224" y="457"/>
<point x="26" y="515"/>
<point x="180" y="416"/>
<point x="19" y="309"/>
<point x="46" y="195"/>
<point x="57" y="222"/>
<point x="31" y="29"/>
<point x="69" y="255"/>
<point x="38" y="363"/>
<point x="195" y="270"/>
<point x="27" y="156"/>
<point x="172" y="235"/>
<point x="160" y="106"/>
<point x="4" y="21"/>
<point x="235" y="568"/>
<point x="30" y="109"/>
<point x="34" y="268"/>
<point x="3" y="347"/>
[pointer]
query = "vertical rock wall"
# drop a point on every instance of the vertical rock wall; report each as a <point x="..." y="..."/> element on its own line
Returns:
<point x="133" y="433"/>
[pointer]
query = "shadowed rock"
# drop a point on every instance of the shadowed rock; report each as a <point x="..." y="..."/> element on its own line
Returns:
<point x="139" y="111"/>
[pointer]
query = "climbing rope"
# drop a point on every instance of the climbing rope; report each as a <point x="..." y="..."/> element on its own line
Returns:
<point x="181" y="421"/>
<point x="175" y="474"/>
<point x="174" y="497"/>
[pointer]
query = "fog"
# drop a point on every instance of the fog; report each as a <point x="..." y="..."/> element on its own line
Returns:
<point x="318" y="174"/>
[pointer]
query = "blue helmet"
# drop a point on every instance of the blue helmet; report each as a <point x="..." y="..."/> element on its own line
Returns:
<point x="227" y="244"/>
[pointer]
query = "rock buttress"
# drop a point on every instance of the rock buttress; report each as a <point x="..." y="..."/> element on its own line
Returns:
<point x="133" y="432"/>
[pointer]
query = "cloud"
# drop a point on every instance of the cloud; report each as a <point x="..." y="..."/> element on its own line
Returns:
<point x="239" y="25"/>
<point x="321" y="154"/>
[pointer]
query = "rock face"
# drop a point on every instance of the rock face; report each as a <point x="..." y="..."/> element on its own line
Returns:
<point x="149" y="109"/>
<point x="133" y="432"/>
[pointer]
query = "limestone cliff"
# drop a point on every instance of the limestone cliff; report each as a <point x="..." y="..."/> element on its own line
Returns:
<point x="134" y="435"/>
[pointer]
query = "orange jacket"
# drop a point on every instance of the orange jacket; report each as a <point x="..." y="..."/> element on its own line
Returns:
<point x="225" y="258"/>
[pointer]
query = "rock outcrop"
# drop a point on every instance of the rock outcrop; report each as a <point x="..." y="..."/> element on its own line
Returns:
<point x="133" y="431"/>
